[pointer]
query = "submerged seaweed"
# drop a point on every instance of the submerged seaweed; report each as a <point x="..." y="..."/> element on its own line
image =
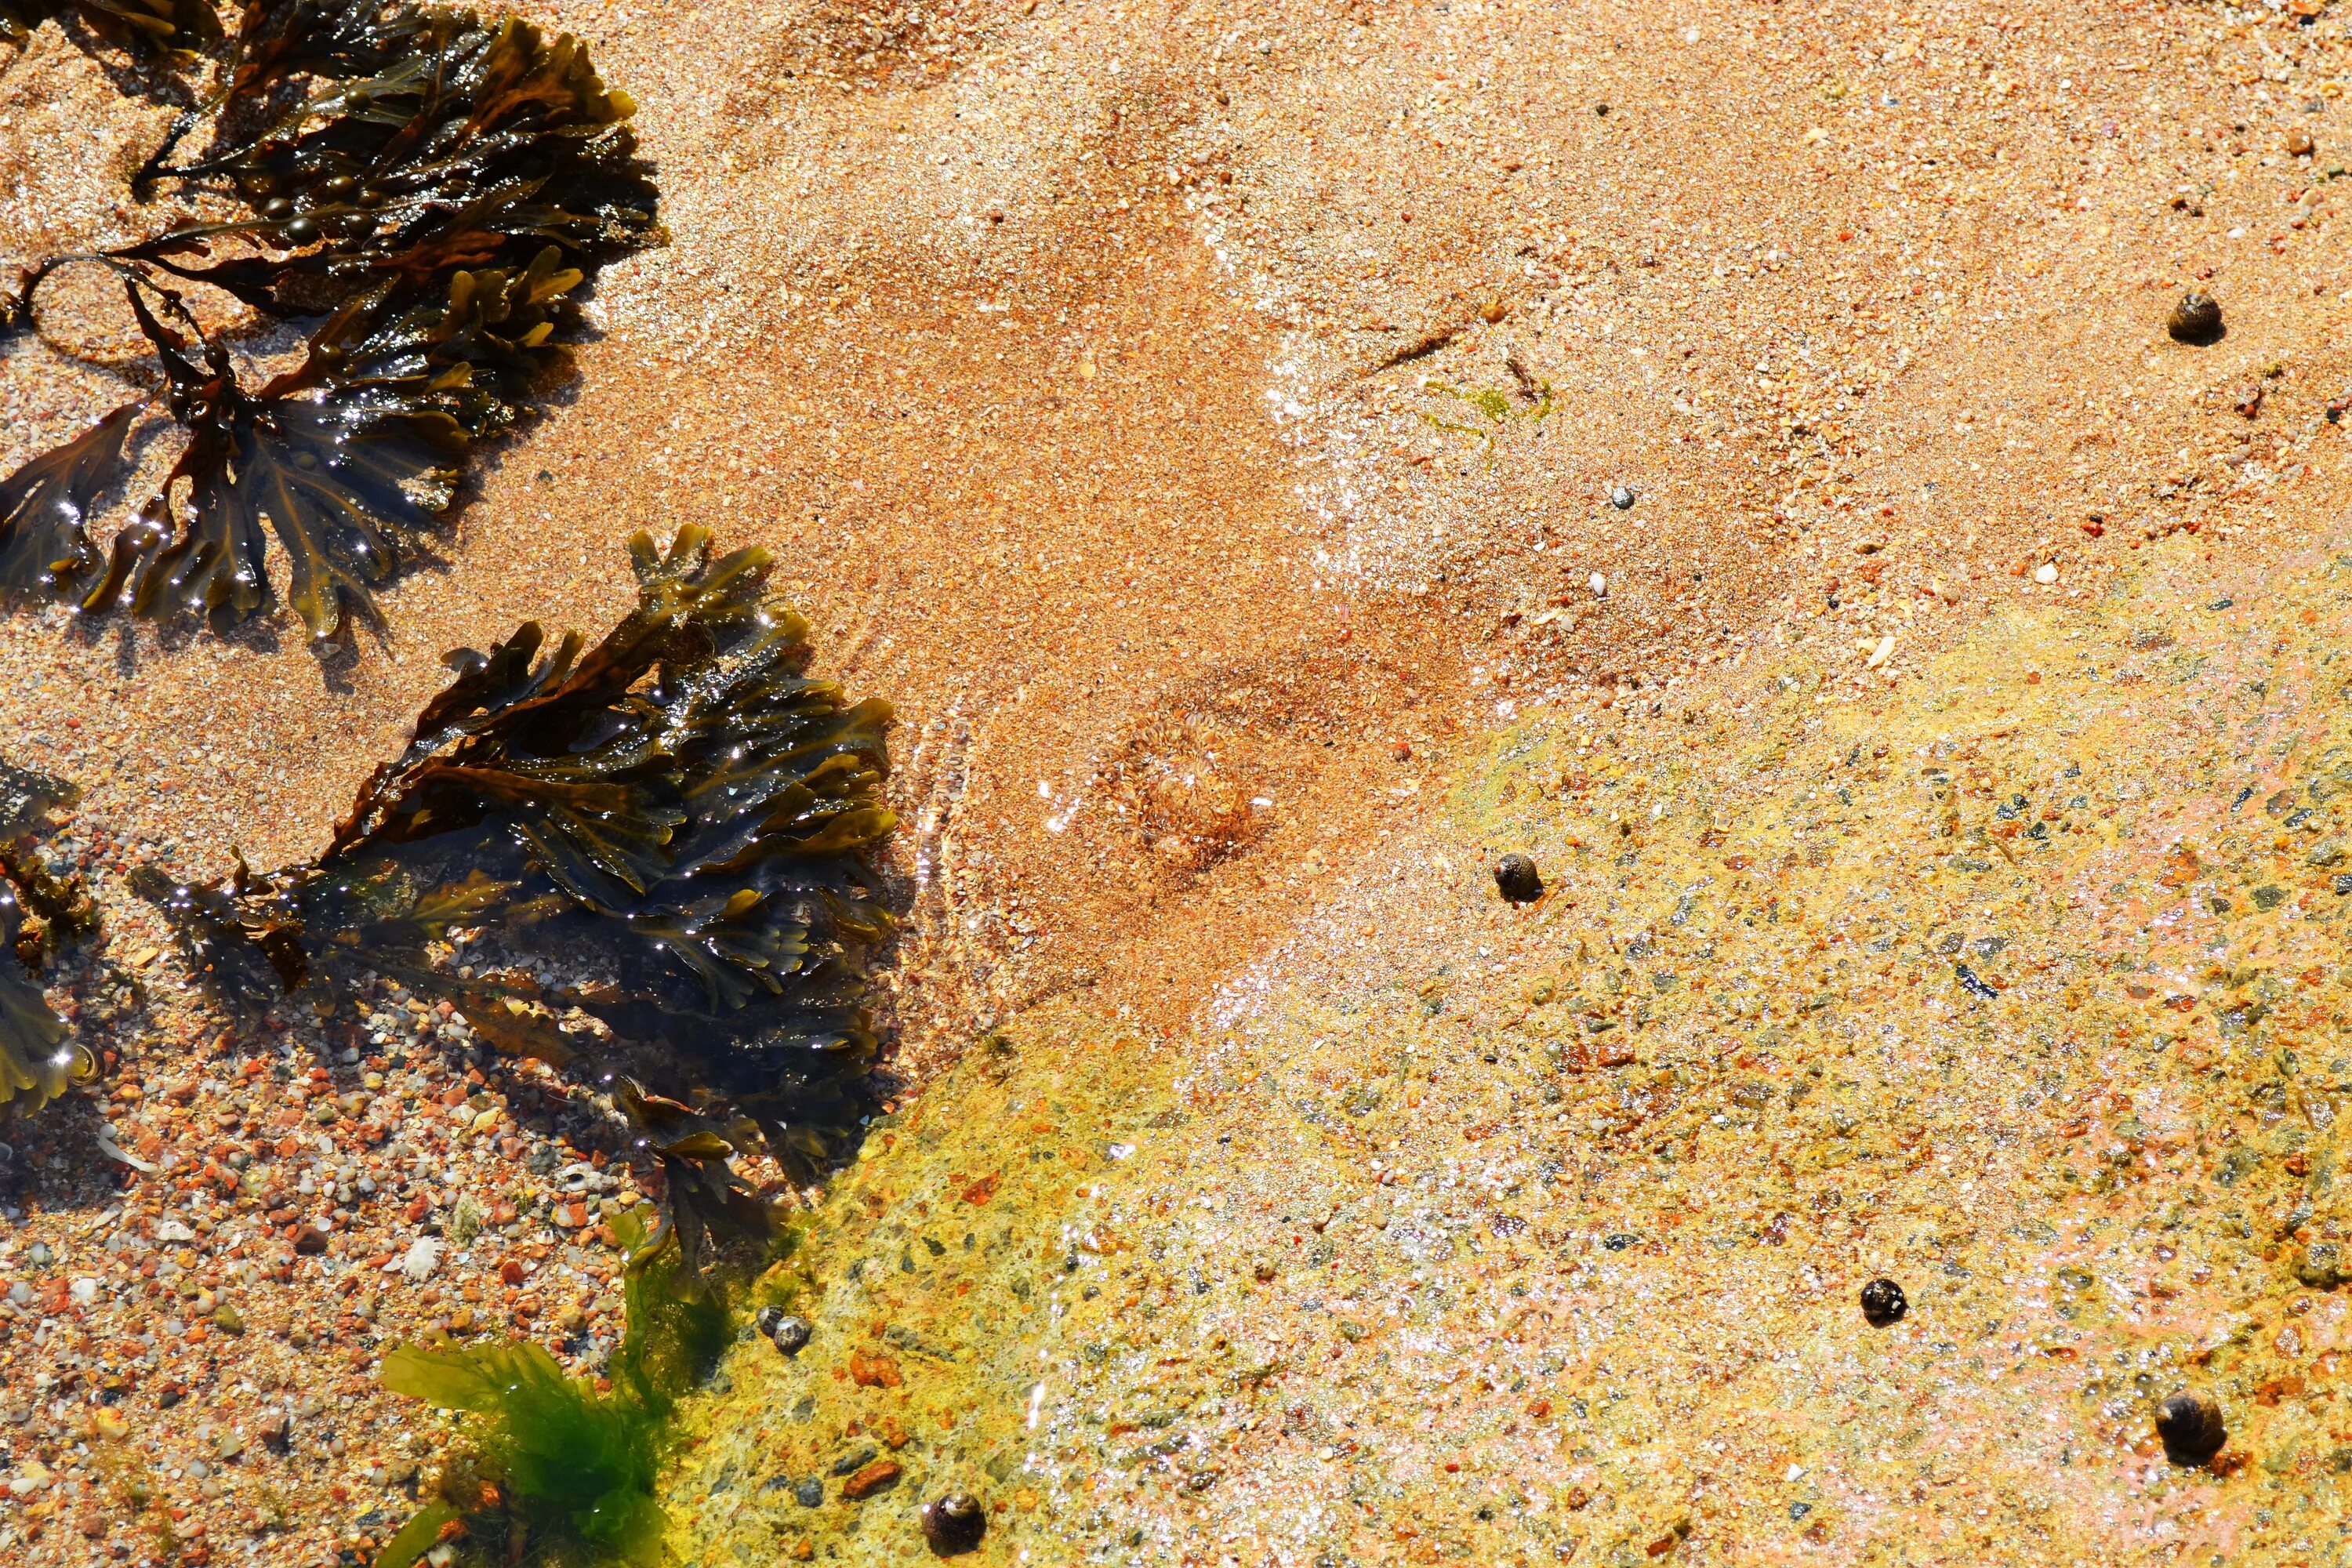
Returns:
<point x="39" y="913"/>
<point x="431" y="201"/>
<point x="677" y="819"/>
<point x="171" y="26"/>
<point x="554" y="1471"/>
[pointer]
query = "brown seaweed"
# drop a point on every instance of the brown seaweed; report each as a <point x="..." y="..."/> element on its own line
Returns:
<point x="431" y="202"/>
<point x="37" y="1062"/>
<point x="476" y="144"/>
<point x="39" y="913"/>
<point x="173" y="27"/>
<point x="348" y="459"/>
<point x="679" y="816"/>
<point x="707" y="1203"/>
<point x="45" y="548"/>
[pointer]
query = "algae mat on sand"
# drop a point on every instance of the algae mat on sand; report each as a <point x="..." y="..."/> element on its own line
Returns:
<point x="1471" y="1232"/>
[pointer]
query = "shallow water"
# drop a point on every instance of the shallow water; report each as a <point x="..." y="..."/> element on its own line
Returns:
<point x="1223" y="672"/>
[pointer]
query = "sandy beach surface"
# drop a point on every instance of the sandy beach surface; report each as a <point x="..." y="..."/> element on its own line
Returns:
<point x="1277" y="459"/>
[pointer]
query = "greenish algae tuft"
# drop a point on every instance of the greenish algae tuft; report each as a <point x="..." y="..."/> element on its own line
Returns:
<point x="556" y="1469"/>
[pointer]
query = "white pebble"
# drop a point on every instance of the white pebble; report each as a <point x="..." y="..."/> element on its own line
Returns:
<point x="423" y="1257"/>
<point x="1600" y="586"/>
<point x="2045" y="573"/>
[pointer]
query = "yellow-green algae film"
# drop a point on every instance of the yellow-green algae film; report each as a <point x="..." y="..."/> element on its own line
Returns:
<point x="1469" y="1232"/>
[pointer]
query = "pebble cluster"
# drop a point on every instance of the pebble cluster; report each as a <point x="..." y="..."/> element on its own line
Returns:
<point x="199" y="1276"/>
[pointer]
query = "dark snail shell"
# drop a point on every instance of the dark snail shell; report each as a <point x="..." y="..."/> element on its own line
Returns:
<point x="2196" y="320"/>
<point x="954" y="1525"/>
<point x="1883" y="1303"/>
<point x="1517" y="879"/>
<point x="2190" y="1426"/>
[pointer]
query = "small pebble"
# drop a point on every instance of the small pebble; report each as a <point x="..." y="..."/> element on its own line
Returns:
<point x="2046" y="574"/>
<point x="2196" y="320"/>
<point x="1517" y="879"/>
<point x="1883" y="1303"/>
<point x="39" y="1256"/>
<point x="2190" y="1427"/>
<point x="1598" y="583"/>
<point x="2298" y="142"/>
<point x="870" y="1479"/>
<point x="954" y="1525"/>
<point x="1622" y="497"/>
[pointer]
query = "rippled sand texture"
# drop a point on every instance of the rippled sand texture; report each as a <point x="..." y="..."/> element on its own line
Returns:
<point x="1131" y="392"/>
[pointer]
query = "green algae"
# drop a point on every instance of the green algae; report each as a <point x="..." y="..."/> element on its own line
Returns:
<point x="558" y="1469"/>
<point x="1496" y="406"/>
